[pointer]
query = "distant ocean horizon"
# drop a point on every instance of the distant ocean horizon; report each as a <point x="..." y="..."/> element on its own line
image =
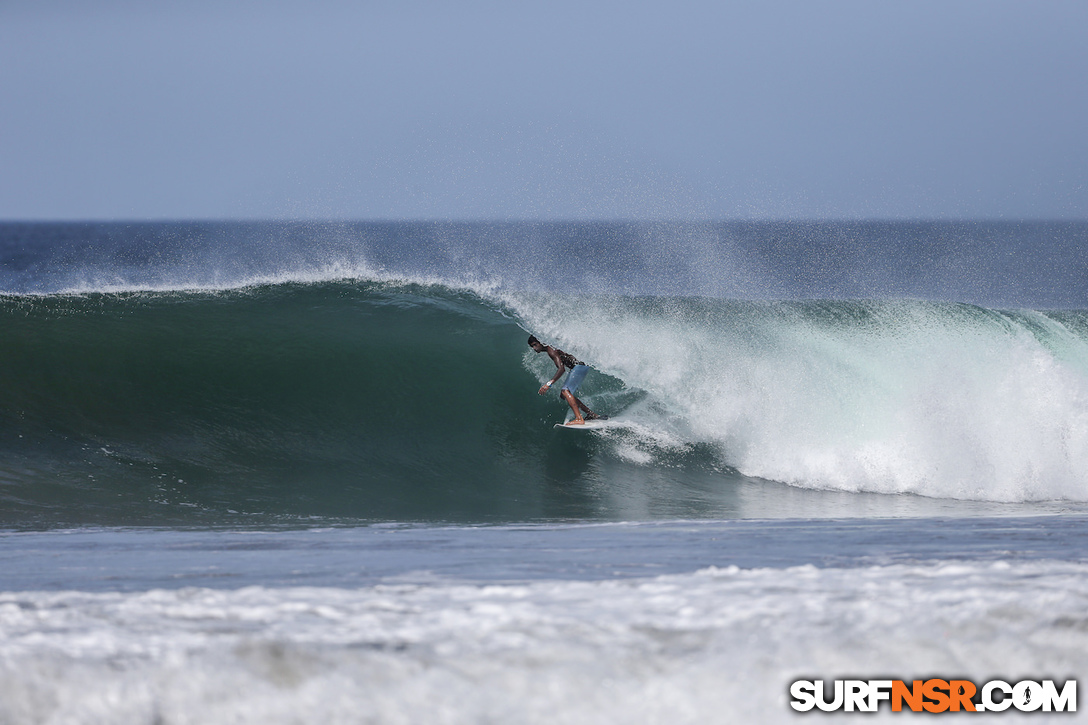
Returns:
<point x="285" y="471"/>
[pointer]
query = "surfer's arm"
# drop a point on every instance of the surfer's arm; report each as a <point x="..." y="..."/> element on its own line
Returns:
<point x="558" y="373"/>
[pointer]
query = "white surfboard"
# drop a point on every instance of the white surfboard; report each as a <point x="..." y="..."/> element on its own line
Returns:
<point x="588" y="425"/>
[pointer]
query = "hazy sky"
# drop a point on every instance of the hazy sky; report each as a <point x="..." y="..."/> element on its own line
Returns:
<point x="545" y="110"/>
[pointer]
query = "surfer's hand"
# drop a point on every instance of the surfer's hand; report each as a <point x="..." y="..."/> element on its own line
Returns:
<point x="544" y="389"/>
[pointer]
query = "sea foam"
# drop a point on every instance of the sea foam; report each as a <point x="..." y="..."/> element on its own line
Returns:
<point x="677" y="648"/>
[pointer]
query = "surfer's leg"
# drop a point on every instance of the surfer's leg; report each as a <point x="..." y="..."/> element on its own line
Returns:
<point x="573" y="403"/>
<point x="590" y="415"/>
<point x="577" y="375"/>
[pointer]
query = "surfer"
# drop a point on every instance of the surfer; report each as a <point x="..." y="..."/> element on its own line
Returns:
<point x="578" y="370"/>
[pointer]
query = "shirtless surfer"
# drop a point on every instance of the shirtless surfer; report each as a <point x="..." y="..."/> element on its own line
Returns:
<point x="578" y="370"/>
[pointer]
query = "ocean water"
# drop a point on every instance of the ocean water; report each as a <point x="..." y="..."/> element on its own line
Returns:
<point x="299" y="472"/>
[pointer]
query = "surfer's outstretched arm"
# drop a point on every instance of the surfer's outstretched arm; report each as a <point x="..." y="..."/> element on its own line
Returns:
<point x="559" y="367"/>
<point x="558" y="374"/>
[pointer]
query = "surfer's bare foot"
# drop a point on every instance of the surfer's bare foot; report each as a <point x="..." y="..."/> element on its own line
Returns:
<point x="577" y="421"/>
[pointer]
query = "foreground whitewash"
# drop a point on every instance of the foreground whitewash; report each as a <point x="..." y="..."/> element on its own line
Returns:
<point x="711" y="646"/>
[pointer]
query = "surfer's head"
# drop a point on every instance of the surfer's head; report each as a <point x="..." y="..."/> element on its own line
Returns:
<point x="535" y="344"/>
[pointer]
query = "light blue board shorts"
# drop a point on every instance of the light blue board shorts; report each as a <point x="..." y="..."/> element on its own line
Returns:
<point x="577" y="375"/>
